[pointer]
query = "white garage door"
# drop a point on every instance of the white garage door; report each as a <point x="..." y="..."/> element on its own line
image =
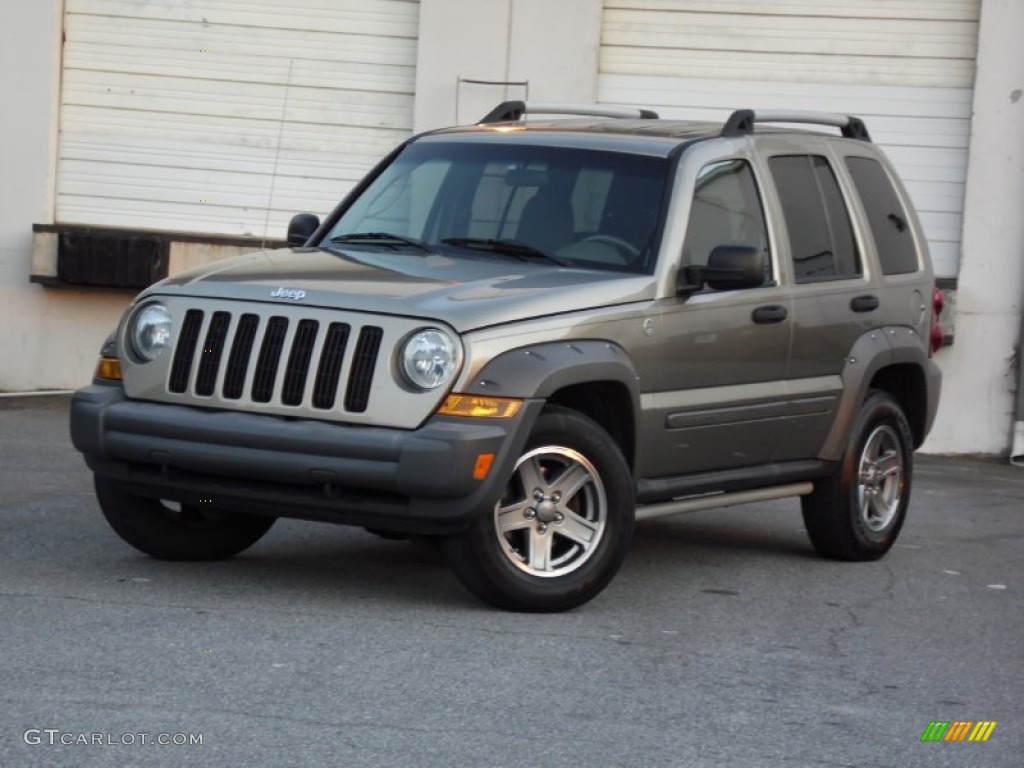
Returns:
<point x="905" y="66"/>
<point x="176" y="115"/>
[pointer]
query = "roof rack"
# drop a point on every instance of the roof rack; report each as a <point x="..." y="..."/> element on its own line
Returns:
<point x="742" y="121"/>
<point x="512" y="111"/>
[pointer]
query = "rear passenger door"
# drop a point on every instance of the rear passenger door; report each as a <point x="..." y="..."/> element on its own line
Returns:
<point x="834" y="301"/>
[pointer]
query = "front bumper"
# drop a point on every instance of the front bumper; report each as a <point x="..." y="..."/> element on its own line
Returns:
<point x="415" y="481"/>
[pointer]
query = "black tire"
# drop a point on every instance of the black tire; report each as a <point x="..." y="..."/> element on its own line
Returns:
<point x="576" y="530"/>
<point x="167" y="533"/>
<point x="857" y="513"/>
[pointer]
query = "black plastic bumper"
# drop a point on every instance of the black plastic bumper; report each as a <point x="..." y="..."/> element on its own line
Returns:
<point x="418" y="481"/>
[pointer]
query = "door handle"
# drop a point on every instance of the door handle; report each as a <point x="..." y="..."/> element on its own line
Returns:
<point x="769" y="313"/>
<point x="865" y="303"/>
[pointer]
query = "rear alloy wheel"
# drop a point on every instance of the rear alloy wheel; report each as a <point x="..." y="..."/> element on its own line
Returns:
<point x="562" y="527"/>
<point x="169" y="531"/>
<point x="858" y="512"/>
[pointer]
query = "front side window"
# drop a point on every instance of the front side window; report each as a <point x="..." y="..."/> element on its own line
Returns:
<point x="726" y="210"/>
<point x="595" y="209"/>
<point x="820" y="234"/>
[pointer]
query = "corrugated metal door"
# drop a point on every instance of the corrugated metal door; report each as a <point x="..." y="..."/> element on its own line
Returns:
<point x="176" y="115"/>
<point x="905" y="66"/>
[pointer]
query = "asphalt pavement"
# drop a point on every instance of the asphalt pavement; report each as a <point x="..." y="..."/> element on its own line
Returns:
<point x="724" y="641"/>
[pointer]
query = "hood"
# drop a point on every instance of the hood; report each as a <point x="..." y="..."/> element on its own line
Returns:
<point x="465" y="293"/>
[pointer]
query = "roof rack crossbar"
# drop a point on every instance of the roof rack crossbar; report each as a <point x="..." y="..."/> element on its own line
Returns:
<point x="742" y="121"/>
<point x="512" y="111"/>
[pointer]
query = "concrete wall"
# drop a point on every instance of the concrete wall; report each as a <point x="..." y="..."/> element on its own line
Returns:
<point x="49" y="338"/>
<point x="552" y="45"/>
<point x="976" y="413"/>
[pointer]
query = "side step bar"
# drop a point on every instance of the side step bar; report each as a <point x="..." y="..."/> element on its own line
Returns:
<point x="712" y="500"/>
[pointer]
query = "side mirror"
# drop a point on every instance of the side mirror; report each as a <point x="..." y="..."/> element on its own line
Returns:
<point x="301" y="228"/>
<point x="729" y="268"/>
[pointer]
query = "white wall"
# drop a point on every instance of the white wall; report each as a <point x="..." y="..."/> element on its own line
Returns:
<point x="49" y="338"/>
<point x="976" y="411"/>
<point x="553" y="44"/>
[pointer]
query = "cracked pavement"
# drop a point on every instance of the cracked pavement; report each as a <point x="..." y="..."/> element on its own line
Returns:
<point x="723" y="640"/>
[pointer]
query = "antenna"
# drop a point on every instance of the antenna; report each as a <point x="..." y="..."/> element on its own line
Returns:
<point x="277" y="152"/>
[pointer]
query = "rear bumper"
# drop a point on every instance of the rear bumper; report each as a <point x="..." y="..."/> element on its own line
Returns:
<point x="418" y="481"/>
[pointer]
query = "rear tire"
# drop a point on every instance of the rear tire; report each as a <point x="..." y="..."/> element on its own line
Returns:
<point x="857" y="513"/>
<point x="186" y="533"/>
<point x="563" y="526"/>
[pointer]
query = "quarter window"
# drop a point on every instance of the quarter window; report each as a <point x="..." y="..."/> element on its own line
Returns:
<point x="820" y="235"/>
<point x="894" y="241"/>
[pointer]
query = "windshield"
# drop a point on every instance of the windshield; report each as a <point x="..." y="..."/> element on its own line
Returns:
<point x="572" y="207"/>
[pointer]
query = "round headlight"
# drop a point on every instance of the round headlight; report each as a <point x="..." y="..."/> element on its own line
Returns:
<point x="429" y="358"/>
<point x="151" y="331"/>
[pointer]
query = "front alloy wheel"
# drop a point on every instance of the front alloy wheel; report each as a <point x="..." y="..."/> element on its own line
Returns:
<point x="562" y="527"/>
<point x="554" y="512"/>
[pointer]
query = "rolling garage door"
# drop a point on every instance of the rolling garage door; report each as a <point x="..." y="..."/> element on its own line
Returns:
<point x="200" y="116"/>
<point x="905" y="66"/>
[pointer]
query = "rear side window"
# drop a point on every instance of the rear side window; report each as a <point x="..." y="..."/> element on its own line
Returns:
<point x="887" y="217"/>
<point x="820" y="234"/>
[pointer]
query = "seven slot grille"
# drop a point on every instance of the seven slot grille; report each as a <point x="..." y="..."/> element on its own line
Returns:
<point x="274" y="360"/>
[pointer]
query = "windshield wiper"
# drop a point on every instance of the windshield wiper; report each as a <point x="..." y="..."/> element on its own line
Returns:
<point x="381" y="238"/>
<point x="522" y="251"/>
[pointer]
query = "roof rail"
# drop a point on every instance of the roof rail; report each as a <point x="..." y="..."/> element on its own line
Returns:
<point x="511" y="111"/>
<point x="742" y="121"/>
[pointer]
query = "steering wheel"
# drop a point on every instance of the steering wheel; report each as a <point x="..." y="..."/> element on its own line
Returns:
<point x="627" y="249"/>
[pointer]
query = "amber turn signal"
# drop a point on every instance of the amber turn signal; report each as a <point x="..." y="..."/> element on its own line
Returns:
<point x="109" y="368"/>
<point x="483" y="465"/>
<point x="480" y="407"/>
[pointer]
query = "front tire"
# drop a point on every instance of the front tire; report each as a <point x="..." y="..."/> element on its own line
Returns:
<point x="562" y="527"/>
<point x="857" y="513"/>
<point x="166" y="532"/>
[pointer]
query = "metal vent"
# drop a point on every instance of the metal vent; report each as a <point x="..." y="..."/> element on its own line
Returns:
<point x="213" y="348"/>
<point x="363" y="363"/>
<point x="181" y="368"/>
<point x="276" y="364"/>
<point x="238" y="361"/>
<point x="333" y="355"/>
<point x="269" y="359"/>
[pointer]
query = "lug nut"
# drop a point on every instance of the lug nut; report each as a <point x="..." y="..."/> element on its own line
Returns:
<point x="542" y="528"/>
<point x="530" y="513"/>
<point x="559" y="517"/>
<point x="538" y="494"/>
<point x="556" y="496"/>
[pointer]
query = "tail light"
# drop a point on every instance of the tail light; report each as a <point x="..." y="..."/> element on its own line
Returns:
<point x="935" y="336"/>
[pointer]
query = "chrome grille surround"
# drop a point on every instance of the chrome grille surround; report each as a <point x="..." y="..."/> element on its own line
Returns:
<point x="286" y="360"/>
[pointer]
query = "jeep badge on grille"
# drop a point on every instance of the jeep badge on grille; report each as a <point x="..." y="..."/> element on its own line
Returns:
<point x="288" y="293"/>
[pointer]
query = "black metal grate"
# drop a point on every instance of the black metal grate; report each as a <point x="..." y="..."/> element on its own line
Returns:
<point x="238" y="360"/>
<point x="298" y="362"/>
<point x="213" y="348"/>
<point x="325" y="391"/>
<point x="269" y="359"/>
<point x="360" y="377"/>
<point x="181" y="367"/>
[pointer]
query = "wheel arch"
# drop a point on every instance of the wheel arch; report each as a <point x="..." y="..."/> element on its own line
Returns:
<point x="594" y="377"/>
<point x="894" y="360"/>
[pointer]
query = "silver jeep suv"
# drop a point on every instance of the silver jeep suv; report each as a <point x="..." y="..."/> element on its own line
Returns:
<point x="519" y="337"/>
